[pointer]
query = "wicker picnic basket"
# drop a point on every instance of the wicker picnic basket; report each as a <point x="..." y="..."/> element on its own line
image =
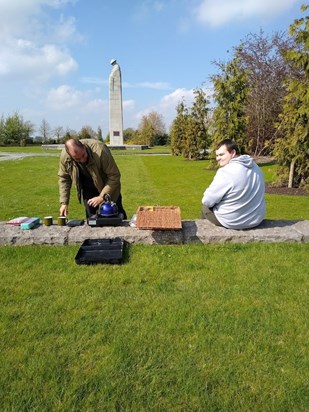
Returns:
<point x="158" y="217"/>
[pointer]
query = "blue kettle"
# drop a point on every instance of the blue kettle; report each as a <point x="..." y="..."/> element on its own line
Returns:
<point x="108" y="208"/>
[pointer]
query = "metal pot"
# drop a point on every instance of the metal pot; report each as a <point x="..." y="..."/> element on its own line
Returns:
<point x="108" y="208"/>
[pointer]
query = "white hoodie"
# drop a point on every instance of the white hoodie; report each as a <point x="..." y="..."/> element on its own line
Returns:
<point x="236" y="194"/>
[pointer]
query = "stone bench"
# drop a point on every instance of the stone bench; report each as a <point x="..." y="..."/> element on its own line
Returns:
<point x="193" y="231"/>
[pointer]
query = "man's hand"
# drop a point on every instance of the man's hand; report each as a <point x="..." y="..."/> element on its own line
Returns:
<point x="64" y="209"/>
<point x="95" y="201"/>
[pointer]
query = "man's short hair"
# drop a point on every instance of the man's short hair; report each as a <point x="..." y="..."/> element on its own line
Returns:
<point x="230" y="145"/>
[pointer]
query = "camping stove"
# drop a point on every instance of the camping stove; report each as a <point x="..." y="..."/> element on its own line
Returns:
<point x="98" y="220"/>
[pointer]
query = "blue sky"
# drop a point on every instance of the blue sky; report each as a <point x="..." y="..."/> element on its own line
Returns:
<point x="55" y="54"/>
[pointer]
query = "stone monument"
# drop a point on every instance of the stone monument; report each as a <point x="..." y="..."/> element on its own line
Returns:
<point x="115" y="106"/>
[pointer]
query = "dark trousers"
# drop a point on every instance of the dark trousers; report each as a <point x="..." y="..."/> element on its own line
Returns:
<point x="90" y="210"/>
<point x="207" y="213"/>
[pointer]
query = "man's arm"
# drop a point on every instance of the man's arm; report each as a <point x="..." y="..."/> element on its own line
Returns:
<point x="65" y="183"/>
<point x="217" y="189"/>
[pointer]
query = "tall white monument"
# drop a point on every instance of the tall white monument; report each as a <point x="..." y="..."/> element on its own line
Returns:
<point x="115" y="106"/>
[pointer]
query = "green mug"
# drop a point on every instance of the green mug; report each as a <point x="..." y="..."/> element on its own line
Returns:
<point x="62" y="221"/>
<point x="48" y="220"/>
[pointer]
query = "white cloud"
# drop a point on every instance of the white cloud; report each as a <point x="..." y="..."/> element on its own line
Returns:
<point x="65" y="30"/>
<point x="64" y="97"/>
<point x="24" y="59"/>
<point x="94" y="80"/>
<point x="147" y="85"/>
<point x="221" y="12"/>
<point x="154" y="85"/>
<point x="128" y="104"/>
<point x="32" y="45"/>
<point x="167" y="105"/>
<point x="176" y="97"/>
<point x="147" y="8"/>
<point x="96" y="105"/>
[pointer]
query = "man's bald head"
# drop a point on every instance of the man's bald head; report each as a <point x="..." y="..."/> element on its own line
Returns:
<point x="76" y="150"/>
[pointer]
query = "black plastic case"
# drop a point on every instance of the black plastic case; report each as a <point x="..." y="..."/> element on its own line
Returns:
<point x="75" y="222"/>
<point x="93" y="251"/>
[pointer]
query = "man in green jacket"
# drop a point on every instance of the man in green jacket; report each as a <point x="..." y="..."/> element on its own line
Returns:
<point x="89" y="165"/>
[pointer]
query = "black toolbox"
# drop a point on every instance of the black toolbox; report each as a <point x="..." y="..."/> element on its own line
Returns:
<point x="94" y="251"/>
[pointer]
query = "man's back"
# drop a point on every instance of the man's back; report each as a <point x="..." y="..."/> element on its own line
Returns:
<point x="237" y="194"/>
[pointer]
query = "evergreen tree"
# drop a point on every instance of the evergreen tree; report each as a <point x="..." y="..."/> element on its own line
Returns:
<point x="191" y="144"/>
<point x="178" y="129"/>
<point x="100" y="136"/>
<point x="189" y="131"/>
<point x="231" y="91"/>
<point x="199" y="112"/>
<point x="292" y="151"/>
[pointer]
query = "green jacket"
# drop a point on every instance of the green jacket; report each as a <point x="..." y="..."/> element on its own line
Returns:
<point x="101" y="166"/>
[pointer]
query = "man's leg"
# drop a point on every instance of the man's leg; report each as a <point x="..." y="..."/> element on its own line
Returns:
<point x="90" y="210"/>
<point x="120" y="207"/>
<point x="208" y="214"/>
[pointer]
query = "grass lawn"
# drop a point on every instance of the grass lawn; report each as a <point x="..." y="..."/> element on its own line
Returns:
<point x="175" y="328"/>
<point x="30" y="187"/>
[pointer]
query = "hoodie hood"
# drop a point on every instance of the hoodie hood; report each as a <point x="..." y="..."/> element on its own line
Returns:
<point x="244" y="160"/>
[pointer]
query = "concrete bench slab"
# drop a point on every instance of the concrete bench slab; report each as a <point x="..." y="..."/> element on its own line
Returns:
<point x="193" y="231"/>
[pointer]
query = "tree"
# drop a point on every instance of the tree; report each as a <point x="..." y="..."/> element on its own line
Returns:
<point x="261" y="57"/>
<point x="58" y="132"/>
<point x="14" y="130"/>
<point x="199" y="113"/>
<point x="150" y="129"/>
<point x="189" y="131"/>
<point x="2" y="131"/>
<point x="45" y="130"/>
<point x="292" y="150"/>
<point x="69" y="134"/>
<point x="87" y="132"/>
<point x="99" y="134"/>
<point x="230" y="95"/>
<point x="128" y="135"/>
<point x="178" y="129"/>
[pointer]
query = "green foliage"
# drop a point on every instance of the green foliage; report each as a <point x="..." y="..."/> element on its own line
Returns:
<point x="87" y="132"/>
<point x="99" y="134"/>
<point x="231" y="91"/>
<point x="29" y="187"/>
<point x="175" y="328"/>
<point x="189" y="130"/>
<point x="14" y="130"/>
<point x="178" y="129"/>
<point x="128" y="135"/>
<point x="151" y="130"/>
<point x="292" y="151"/>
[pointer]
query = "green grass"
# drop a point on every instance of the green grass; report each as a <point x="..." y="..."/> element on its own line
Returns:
<point x="40" y="149"/>
<point x="175" y="328"/>
<point x="223" y="329"/>
<point x="30" y="187"/>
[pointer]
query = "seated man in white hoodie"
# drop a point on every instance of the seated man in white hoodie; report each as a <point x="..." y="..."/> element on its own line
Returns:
<point x="235" y="198"/>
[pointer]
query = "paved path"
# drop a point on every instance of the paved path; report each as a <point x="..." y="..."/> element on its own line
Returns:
<point x="17" y="156"/>
<point x="193" y="231"/>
